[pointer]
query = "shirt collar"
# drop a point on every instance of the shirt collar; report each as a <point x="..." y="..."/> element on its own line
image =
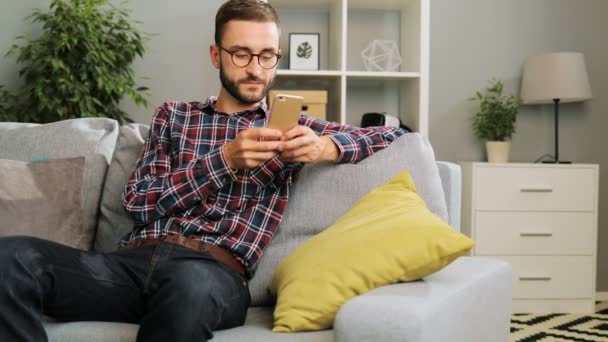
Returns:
<point x="262" y="109"/>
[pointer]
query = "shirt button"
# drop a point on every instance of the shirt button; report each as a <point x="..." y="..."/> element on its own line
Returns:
<point x="197" y="198"/>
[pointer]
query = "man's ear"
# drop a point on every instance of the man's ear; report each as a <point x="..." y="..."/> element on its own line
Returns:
<point x="214" y="54"/>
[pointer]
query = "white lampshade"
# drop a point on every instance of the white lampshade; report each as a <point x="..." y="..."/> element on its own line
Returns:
<point x="560" y="75"/>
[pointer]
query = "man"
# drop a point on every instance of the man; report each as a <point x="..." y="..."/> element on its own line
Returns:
<point x="206" y="196"/>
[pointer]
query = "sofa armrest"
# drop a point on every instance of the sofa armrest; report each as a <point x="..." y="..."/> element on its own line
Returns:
<point x="469" y="300"/>
<point x="451" y="179"/>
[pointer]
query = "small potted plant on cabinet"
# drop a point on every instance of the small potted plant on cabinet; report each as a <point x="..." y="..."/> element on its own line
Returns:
<point x="495" y="121"/>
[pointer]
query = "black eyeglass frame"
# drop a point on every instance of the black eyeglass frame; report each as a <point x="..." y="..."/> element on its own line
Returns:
<point x="251" y="55"/>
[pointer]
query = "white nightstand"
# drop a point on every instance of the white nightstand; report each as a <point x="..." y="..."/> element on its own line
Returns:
<point x="542" y="219"/>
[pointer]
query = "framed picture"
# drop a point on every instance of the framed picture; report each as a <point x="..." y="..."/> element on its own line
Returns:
<point x="304" y="51"/>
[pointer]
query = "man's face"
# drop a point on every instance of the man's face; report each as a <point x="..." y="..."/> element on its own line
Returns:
<point x="250" y="84"/>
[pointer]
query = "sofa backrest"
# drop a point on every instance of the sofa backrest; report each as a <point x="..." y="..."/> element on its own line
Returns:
<point x="322" y="193"/>
<point x="93" y="138"/>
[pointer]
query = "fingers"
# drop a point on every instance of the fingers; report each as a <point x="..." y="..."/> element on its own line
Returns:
<point x="262" y="132"/>
<point x="246" y="151"/>
<point x="302" y="149"/>
<point x="261" y="146"/>
<point x="296" y="132"/>
<point x="295" y="143"/>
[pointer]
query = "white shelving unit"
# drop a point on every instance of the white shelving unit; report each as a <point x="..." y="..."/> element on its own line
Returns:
<point x="345" y="28"/>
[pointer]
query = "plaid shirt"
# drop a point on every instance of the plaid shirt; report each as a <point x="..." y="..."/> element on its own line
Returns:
<point x="183" y="185"/>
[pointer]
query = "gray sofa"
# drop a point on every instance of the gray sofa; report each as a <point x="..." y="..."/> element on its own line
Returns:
<point x="468" y="301"/>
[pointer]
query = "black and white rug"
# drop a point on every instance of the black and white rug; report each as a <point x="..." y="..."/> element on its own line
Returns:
<point x="561" y="327"/>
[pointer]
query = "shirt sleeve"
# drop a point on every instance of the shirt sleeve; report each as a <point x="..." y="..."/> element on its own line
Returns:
<point x="354" y="143"/>
<point x="155" y="189"/>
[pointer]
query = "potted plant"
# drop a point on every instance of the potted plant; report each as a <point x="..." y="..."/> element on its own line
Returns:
<point x="80" y="65"/>
<point x="495" y="120"/>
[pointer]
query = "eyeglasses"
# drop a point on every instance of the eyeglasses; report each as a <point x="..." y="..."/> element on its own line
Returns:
<point x="242" y="58"/>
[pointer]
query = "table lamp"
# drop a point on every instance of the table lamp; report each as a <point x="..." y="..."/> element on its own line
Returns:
<point x="554" y="78"/>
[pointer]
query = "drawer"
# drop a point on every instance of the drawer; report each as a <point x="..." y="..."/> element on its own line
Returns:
<point x="535" y="188"/>
<point x="534" y="233"/>
<point x="541" y="306"/>
<point x="551" y="277"/>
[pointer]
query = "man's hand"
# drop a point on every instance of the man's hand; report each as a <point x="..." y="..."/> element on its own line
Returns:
<point x="302" y="144"/>
<point x="247" y="151"/>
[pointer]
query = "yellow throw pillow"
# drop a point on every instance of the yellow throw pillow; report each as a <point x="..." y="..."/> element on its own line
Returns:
<point x="387" y="236"/>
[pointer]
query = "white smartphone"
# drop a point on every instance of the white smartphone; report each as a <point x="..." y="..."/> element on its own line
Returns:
<point x="285" y="111"/>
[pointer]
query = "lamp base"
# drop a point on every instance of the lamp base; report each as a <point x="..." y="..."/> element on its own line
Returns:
<point x="556" y="162"/>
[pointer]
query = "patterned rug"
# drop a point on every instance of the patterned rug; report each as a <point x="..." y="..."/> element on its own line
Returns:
<point x="561" y="327"/>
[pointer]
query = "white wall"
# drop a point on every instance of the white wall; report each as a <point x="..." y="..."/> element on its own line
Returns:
<point x="177" y="56"/>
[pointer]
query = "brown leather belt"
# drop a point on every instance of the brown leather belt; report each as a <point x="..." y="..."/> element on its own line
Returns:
<point x="217" y="252"/>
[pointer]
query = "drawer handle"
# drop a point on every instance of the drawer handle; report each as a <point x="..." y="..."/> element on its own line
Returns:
<point x="536" y="190"/>
<point x="540" y="278"/>
<point x="536" y="234"/>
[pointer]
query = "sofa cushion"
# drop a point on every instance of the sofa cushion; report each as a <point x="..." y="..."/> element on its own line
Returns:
<point x="93" y="138"/>
<point x="257" y="328"/>
<point x="386" y="237"/>
<point x="113" y="222"/>
<point x="322" y="193"/>
<point x="43" y="199"/>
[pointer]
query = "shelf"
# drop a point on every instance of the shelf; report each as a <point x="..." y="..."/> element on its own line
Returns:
<point x="303" y="4"/>
<point x="322" y="17"/>
<point x="352" y="74"/>
<point x="308" y="73"/>
<point x="363" y="4"/>
<point x="346" y="27"/>
<point x="378" y="74"/>
<point x="386" y="5"/>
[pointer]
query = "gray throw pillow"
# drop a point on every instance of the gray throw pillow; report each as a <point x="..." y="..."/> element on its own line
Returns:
<point x="43" y="199"/>
<point x="93" y="138"/>
<point x="113" y="222"/>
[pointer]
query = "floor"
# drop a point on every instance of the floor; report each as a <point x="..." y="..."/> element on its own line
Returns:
<point x="561" y="327"/>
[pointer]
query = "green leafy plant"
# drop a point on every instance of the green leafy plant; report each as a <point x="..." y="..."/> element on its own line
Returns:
<point x="8" y="100"/>
<point x="80" y="65"/>
<point x="495" y="120"/>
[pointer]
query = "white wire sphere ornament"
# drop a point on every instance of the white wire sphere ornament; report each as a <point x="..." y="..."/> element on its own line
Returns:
<point x="381" y="55"/>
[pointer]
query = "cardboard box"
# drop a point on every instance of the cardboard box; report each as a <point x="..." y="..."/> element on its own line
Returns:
<point x="315" y="101"/>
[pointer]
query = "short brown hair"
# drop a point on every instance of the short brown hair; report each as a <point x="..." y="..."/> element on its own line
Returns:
<point x="247" y="10"/>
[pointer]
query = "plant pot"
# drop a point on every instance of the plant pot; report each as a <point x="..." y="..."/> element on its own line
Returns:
<point x="498" y="151"/>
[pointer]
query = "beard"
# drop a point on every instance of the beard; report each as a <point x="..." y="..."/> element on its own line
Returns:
<point x="232" y="87"/>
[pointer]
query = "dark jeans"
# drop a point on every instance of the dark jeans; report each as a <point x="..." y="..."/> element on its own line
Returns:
<point x="174" y="293"/>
